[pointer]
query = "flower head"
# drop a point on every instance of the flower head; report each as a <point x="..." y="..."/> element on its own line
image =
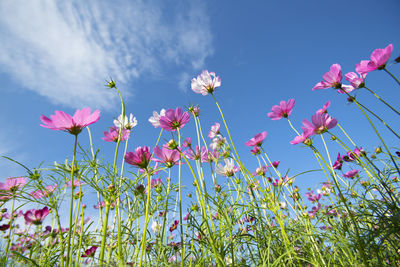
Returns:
<point x="11" y="186"/>
<point x="355" y="80"/>
<point x="155" y="119"/>
<point x="89" y="252"/>
<point x="205" y="84"/>
<point x="324" y="109"/>
<point x="257" y="140"/>
<point x="174" y="119"/>
<point x="320" y="124"/>
<point x="282" y="111"/>
<point x="197" y="154"/>
<point x="126" y="124"/>
<point x="113" y="133"/>
<point x="228" y="170"/>
<point x="48" y="190"/>
<point x="62" y="121"/>
<point x="351" y="174"/>
<point x="214" y="130"/>
<point x="140" y="158"/>
<point x="36" y="216"/>
<point x="379" y="58"/>
<point x="167" y="156"/>
<point x="332" y="78"/>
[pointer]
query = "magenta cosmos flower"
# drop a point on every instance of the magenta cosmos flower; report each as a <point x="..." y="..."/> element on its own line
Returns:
<point x="282" y="111"/>
<point x="89" y="252"/>
<point x="112" y="134"/>
<point x="257" y="140"/>
<point x="320" y="123"/>
<point x="205" y="83"/>
<point x="351" y="174"/>
<point x="36" y="216"/>
<point x="332" y="78"/>
<point x="167" y="156"/>
<point x="379" y="58"/>
<point x="140" y="158"/>
<point x="62" y="121"/>
<point x="174" y="119"/>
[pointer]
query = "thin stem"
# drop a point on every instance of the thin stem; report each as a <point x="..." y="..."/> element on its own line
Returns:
<point x="388" y="72"/>
<point x="383" y="101"/>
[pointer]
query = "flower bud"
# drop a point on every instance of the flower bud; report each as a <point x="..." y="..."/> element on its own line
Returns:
<point x="378" y="150"/>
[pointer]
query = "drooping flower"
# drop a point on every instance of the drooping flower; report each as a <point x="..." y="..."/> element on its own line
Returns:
<point x="62" y="121"/>
<point x="319" y="124"/>
<point x="204" y="83"/>
<point x="351" y="174"/>
<point x="228" y="170"/>
<point x="155" y="119"/>
<point x="113" y="133"/>
<point x="257" y="140"/>
<point x="214" y="130"/>
<point x="379" y="58"/>
<point x="174" y="226"/>
<point x="174" y="119"/>
<point x="140" y="158"/>
<point x="36" y="216"/>
<point x="332" y="78"/>
<point x="282" y="111"/>
<point x="167" y="156"/>
<point x="89" y="252"/>
<point x="126" y="124"/>
<point x="338" y="163"/>
<point x="255" y="150"/>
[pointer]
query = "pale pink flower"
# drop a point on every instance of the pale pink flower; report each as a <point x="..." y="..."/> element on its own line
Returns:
<point x="140" y="158"/>
<point x="62" y="121"/>
<point x="217" y="142"/>
<point x="205" y="83"/>
<point x="112" y="134"/>
<point x="228" y="170"/>
<point x="379" y="58"/>
<point x="301" y="138"/>
<point x="36" y="216"/>
<point x="260" y="171"/>
<point x="174" y="119"/>
<point x="282" y="111"/>
<point x="197" y="154"/>
<point x="10" y="187"/>
<point x="214" y="130"/>
<point x="75" y="184"/>
<point x="355" y="80"/>
<point x="332" y="78"/>
<point x="155" y="119"/>
<point x="257" y="140"/>
<point x="48" y="190"/>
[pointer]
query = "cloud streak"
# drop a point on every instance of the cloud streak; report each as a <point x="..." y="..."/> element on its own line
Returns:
<point x="64" y="50"/>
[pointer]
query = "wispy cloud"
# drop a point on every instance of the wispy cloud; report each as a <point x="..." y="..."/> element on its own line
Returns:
<point x="65" y="50"/>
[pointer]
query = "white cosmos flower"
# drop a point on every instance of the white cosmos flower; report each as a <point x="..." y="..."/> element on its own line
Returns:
<point x="155" y="119"/>
<point x="228" y="170"/>
<point x="127" y="124"/>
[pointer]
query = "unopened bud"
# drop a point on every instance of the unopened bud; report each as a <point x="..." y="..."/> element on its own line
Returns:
<point x="378" y="150"/>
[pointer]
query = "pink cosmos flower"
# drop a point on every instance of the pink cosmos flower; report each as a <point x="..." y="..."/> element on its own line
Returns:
<point x="167" y="156"/>
<point x="320" y="124"/>
<point x="256" y="150"/>
<point x="205" y="84"/>
<point x="355" y="80"/>
<point x="36" y="216"/>
<point x="217" y="142"/>
<point x="303" y="138"/>
<point x="10" y="187"/>
<point x="214" y="130"/>
<point x="324" y="109"/>
<point x="260" y="171"/>
<point x="89" y="252"/>
<point x="155" y="119"/>
<point x="197" y="154"/>
<point x="282" y="111"/>
<point x="62" y="121"/>
<point x="338" y="163"/>
<point x="174" y="119"/>
<point x="48" y="190"/>
<point x="257" y="140"/>
<point x="313" y="197"/>
<point x="187" y="142"/>
<point x="351" y="174"/>
<point x="275" y="164"/>
<point x="112" y="134"/>
<point x="379" y="58"/>
<point x="332" y="78"/>
<point x="75" y="183"/>
<point x="100" y="205"/>
<point x="140" y="158"/>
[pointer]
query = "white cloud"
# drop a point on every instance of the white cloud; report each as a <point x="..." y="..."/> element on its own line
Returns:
<point x="65" y="50"/>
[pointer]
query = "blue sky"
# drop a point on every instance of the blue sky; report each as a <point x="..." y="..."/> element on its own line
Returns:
<point x="58" y="56"/>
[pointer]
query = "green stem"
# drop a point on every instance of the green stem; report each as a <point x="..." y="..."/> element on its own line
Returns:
<point x="383" y="101"/>
<point x="11" y="228"/>
<point x="71" y="202"/>
<point x="388" y="72"/>
<point x="146" y="219"/>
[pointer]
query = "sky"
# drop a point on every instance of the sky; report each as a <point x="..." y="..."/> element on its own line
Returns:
<point x="58" y="55"/>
